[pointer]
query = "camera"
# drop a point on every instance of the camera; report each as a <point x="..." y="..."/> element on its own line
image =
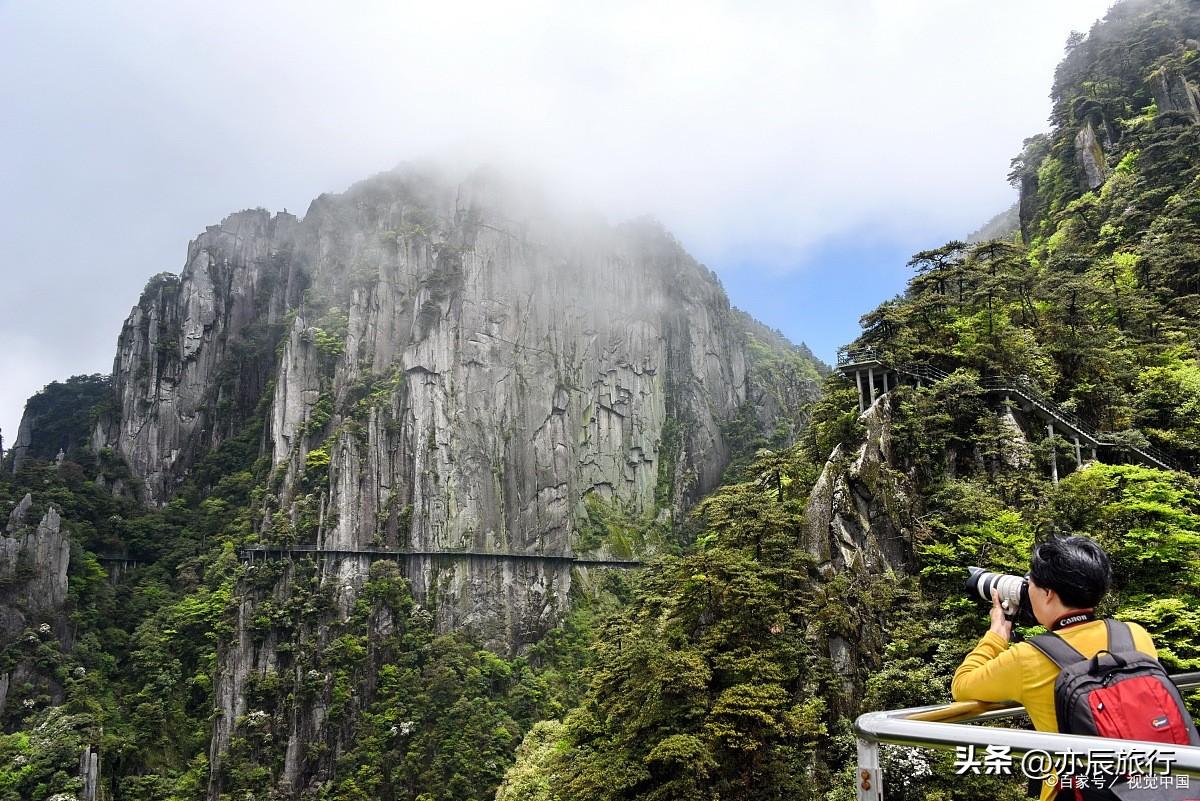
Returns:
<point x="1013" y="592"/>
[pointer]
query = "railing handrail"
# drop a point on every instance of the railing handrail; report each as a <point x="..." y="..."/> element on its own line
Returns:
<point x="1086" y="429"/>
<point x="848" y="355"/>
<point x="944" y="727"/>
<point x="267" y="549"/>
<point x="1024" y="388"/>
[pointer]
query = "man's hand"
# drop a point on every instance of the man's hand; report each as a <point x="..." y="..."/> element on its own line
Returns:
<point x="1000" y="623"/>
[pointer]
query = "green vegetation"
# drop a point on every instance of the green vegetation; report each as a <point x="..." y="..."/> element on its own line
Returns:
<point x="730" y="668"/>
<point x="63" y="415"/>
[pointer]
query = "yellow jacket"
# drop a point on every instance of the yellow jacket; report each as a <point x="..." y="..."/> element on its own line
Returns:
<point x="996" y="672"/>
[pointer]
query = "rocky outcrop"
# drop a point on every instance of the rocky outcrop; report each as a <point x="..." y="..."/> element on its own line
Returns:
<point x="56" y="422"/>
<point x="1015" y="452"/>
<point x="860" y="510"/>
<point x="197" y="351"/>
<point x="33" y="590"/>
<point x="16" y="518"/>
<point x="33" y="570"/>
<point x="1089" y="158"/>
<point x="1175" y="93"/>
<point x="89" y="774"/>
<point x="858" y="529"/>
<point x="20" y="446"/>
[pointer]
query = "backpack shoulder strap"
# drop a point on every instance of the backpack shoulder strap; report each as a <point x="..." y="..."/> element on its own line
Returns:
<point x="1120" y="636"/>
<point x="1056" y="649"/>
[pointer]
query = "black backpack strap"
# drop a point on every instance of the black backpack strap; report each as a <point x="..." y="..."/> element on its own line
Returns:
<point x="1120" y="636"/>
<point x="1056" y="649"/>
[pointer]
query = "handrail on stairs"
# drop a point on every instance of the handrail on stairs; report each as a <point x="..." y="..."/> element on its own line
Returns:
<point x="852" y="357"/>
<point x="944" y="727"/>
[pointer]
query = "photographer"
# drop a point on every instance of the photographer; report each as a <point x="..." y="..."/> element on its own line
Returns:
<point x="1067" y="578"/>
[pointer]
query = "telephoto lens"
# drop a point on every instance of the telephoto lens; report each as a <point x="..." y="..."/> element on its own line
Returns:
<point x="1013" y="592"/>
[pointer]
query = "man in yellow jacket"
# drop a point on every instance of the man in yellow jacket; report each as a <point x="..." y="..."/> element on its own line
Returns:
<point x="1067" y="578"/>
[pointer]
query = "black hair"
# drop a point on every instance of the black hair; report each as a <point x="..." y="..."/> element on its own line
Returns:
<point x="1074" y="567"/>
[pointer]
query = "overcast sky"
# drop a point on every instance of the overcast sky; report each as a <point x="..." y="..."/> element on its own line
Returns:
<point x="802" y="150"/>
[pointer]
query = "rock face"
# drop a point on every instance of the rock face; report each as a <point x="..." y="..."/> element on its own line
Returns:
<point x="1089" y="158"/>
<point x="33" y="569"/>
<point x="509" y="369"/>
<point x="449" y="369"/>
<point x="858" y="507"/>
<point x="89" y="773"/>
<point x="859" y="523"/>
<point x="195" y="354"/>
<point x="1015" y="451"/>
<point x="20" y="446"/>
<point x="33" y="586"/>
<point x="459" y="370"/>
<point x="1174" y="93"/>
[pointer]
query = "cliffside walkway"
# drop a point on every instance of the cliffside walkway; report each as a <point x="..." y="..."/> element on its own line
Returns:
<point x="255" y="553"/>
<point x="120" y="560"/>
<point x="863" y="365"/>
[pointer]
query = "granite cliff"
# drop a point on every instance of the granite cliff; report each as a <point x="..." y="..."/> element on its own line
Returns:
<point x="450" y="372"/>
<point x="442" y="366"/>
<point x="33" y="586"/>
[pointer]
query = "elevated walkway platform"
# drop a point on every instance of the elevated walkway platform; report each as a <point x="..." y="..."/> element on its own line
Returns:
<point x="865" y="365"/>
<point x="255" y="553"/>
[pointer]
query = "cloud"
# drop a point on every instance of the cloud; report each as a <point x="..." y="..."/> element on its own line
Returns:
<point x="748" y="128"/>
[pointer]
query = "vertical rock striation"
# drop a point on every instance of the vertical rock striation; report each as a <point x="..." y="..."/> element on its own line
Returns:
<point x="33" y="588"/>
<point x="196" y="352"/>
<point x="1089" y="158"/>
<point x="459" y="369"/>
<point x="859" y="523"/>
<point x="33" y="569"/>
<point x="491" y="375"/>
<point x="1175" y="93"/>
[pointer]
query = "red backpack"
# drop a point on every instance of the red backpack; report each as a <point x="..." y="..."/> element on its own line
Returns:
<point x="1122" y="693"/>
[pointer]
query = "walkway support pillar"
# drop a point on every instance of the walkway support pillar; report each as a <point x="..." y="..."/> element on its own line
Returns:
<point x="1078" y="452"/>
<point x="871" y="381"/>
<point x="1053" y="454"/>
<point x="862" y="407"/>
<point x="885" y="382"/>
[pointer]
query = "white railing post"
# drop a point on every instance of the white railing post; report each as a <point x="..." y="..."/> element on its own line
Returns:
<point x="868" y="779"/>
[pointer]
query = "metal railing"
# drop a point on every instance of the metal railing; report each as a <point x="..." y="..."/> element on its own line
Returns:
<point x="943" y="727"/>
<point x="1025" y="390"/>
<point x="252" y="553"/>
<point x="847" y="355"/>
<point x="1146" y="451"/>
<point x="923" y="372"/>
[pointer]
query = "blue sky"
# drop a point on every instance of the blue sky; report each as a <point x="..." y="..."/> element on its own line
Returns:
<point x="832" y="285"/>
<point x="801" y="150"/>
